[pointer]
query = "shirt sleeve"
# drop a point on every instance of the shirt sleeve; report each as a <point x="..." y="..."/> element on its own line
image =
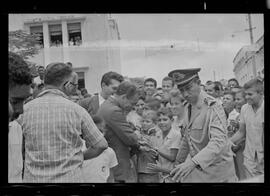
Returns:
<point x="117" y="122"/>
<point x="242" y="112"/>
<point x="112" y="157"/>
<point x="176" y="141"/>
<point x="15" y="163"/>
<point x="90" y="132"/>
<point x="217" y="142"/>
<point x="183" y="150"/>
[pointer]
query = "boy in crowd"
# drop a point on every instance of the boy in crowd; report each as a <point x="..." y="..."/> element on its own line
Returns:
<point x="150" y="85"/>
<point x="148" y="135"/>
<point x="252" y="128"/>
<point x="228" y="102"/>
<point x="234" y="125"/>
<point x="167" y="86"/>
<point x="99" y="169"/>
<point x="168" y="142"/>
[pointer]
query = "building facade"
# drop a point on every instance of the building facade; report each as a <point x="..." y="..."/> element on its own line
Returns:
<point x="82" y="39"/>
<point x="249" y="62"/>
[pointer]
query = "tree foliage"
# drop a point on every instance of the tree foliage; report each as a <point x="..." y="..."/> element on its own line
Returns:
<point x="24" y="44"/>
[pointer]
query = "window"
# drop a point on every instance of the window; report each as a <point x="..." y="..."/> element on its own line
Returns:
<point x="38" y="30"/>
<point x="74" y="34"/>
<point x="81" y="81"/>
<point x="55" y="32"/>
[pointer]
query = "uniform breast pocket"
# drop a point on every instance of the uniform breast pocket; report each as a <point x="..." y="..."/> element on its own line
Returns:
<point x="197" y="131"/>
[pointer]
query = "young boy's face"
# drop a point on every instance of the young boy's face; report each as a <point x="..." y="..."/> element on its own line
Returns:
<point x="147" y="123"/>
<point x="252" y="96"/>
<point x="176" y="106"/>
<point x="164" y="123"/>
<point x="139" y="107"/>
<point x="149" y="88"/>
<point x="239" y="100"/>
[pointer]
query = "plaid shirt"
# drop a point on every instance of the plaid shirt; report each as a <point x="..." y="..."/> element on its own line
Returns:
<point x="53" y="128"/>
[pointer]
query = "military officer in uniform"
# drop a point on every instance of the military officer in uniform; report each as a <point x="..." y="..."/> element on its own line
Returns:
<point x="205" y="154"/>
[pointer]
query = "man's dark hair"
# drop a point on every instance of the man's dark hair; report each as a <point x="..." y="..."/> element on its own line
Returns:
<point x="159" y="88"/>
<point x="18" y="71"/>
<point x="167" y="78"/>
<point x="257" y="83"/>
<point x="127" y="88"/>
<point x="69" y="64"/>
<point x="150" y="80"/>
<point x="233" y="79"/>
<point x="40" y="67"/>
<point x="229" y="92"/>
<point x="218" y="86"/>
<point x="56" y="73"/>
<point x="209" y="82"/>
<point x="153" y="103"/>
<point x="166" y="112"/>
<point x="107" y="77"/>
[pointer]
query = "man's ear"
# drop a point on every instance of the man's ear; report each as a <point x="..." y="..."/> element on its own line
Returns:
<point x="103" y="85"/>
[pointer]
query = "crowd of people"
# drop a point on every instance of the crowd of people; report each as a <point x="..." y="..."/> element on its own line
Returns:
<point x="183" y="131"/>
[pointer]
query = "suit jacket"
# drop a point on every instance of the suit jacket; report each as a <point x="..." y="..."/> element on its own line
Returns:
<point x="91" y="104"/>
<point x="205" y="139"/>
<point x="120" y="136"/>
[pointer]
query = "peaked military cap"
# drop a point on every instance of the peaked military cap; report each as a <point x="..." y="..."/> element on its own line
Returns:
<point x="182" y="77"/>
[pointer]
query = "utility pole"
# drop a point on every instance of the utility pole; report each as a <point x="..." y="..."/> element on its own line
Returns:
<point x="250" y="29"/>
<point x="214" y="73"/>
<point x="252" y="42"/>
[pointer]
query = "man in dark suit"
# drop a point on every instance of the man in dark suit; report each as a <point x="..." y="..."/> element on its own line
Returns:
<point x="109" y="83"/>
<point x="120" y="135"/>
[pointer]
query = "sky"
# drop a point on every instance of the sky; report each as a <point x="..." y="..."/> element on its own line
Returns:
<point x="198" y="40"/>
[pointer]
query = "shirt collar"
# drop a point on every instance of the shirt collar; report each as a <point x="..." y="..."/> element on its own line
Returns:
<point x="200" y="101"/>
<point x="53" y="91"/>
<point x="259" y="109"/>
<point x="100" y="99"/>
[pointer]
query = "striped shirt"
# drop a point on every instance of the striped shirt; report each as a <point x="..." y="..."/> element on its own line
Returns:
<point x="54" y="127"/>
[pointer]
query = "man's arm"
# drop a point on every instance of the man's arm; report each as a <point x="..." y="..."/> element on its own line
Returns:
<point x="239" y="135"/>
<point x="117" y="122"/>
<point x="94" y="139"/>
<point x="96" y="150"/>
<point x="183" y="151"/>
<point x="171" y="156"/>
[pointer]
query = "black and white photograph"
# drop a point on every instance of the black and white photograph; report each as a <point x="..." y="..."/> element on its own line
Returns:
<point x="136" y="98"/>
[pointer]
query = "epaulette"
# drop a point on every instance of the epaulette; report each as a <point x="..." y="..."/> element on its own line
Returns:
<point x="185" y="103"/>
<point x="209" y="101"/>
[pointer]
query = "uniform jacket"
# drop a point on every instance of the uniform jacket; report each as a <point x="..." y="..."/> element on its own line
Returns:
<point x="120" y="136"/>
<point x="91" y="104"/>
<point x="205" y="139"/>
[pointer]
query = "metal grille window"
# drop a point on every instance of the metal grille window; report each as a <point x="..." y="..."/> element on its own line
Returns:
<point x="74" y="34"/>
<point x="55" y="32"/>
<point x="38" y="30"/>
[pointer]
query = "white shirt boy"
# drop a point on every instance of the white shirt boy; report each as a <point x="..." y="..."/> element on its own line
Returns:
<point x="97" y="170"/>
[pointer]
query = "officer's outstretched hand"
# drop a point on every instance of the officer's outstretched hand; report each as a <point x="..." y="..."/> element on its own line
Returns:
<point x="182" y="170"/>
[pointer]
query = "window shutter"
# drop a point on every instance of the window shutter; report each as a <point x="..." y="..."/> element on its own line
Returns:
<point x="36" y="29"/>
<point x="74" y="27"/>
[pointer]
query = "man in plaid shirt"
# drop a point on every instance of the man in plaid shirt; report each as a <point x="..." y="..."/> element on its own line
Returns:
<point x="53" y="128"/>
